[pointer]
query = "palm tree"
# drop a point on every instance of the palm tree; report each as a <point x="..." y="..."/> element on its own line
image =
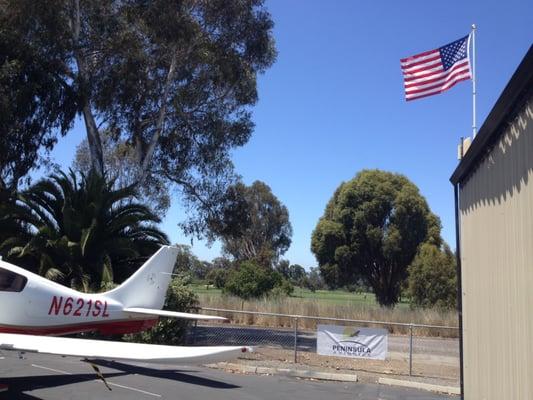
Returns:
<point x="84" y="234"/>
<point x="13" y="232"/>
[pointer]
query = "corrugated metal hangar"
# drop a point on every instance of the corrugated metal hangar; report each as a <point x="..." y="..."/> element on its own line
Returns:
<point x="494" y="217"/>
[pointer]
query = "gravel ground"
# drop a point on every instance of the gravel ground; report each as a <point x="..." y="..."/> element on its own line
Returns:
<point x="367" y="370"/>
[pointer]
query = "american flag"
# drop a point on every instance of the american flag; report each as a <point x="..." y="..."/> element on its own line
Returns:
<point x="435" y="71"/>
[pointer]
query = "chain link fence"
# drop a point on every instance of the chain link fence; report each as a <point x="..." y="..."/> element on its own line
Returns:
<point x="429" y="351"/>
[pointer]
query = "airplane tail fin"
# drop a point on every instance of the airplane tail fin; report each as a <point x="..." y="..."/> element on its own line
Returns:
<point x="147" y="287"/>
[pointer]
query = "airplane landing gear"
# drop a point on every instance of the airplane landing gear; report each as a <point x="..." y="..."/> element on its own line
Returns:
<point x="98" y="373"/>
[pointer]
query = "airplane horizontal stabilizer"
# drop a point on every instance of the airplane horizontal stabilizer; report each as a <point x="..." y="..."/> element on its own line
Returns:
<point x="173" y="314"/>
<point x="124" y="351"/>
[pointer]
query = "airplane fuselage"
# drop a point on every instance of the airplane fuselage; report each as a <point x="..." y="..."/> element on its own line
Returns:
<point x="31" y="304"/>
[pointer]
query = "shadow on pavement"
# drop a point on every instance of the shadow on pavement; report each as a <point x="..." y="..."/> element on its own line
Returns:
<point x="171" y="374"/>
<point x="18" y="385"/>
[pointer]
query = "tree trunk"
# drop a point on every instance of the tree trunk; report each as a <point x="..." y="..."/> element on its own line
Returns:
<point x="385" y="283"/>
<point x="387" y="296"/>
<point x="93" y="136"/>
<point x="147" y="160"/>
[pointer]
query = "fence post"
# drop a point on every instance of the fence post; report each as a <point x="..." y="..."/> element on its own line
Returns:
<point x="295" y="340"/>
<point x="194" y="331"/>
<point x="410" y="349"/>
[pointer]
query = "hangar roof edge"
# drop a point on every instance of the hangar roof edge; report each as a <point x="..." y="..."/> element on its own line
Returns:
<point x="520" y="85"/>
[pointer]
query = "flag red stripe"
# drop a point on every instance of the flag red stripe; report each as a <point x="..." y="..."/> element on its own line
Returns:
<point x="427" y="60"/>
<point x="447" y="85"/>
<point x="425" y="53"/>
<point x="449" y="79"/>
<point x="436" y="91"/>
<point x="456" y="68"/>
<point x="433" y="74"/>
<point x="415" y="84"/>
<point x="409" y="74"/>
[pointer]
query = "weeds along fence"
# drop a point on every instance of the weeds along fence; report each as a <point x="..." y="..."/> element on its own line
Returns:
<point x="414" y="349"/>
<point x="399" y="317"/>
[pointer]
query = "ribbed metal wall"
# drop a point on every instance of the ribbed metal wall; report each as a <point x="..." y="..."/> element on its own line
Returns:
<point x="496" y="220"/>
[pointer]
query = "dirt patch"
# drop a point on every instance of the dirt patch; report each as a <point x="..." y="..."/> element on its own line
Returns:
<point x="367" y="370"/>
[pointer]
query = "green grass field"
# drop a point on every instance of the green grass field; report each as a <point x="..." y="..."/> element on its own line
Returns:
<point x="340" y="297"/>
<point x="324" y="303"/>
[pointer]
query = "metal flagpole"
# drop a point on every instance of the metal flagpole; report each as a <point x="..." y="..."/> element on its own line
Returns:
<point x="473" y="38"/>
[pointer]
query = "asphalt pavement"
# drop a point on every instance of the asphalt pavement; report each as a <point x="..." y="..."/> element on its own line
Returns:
<point x="45" y="377"/>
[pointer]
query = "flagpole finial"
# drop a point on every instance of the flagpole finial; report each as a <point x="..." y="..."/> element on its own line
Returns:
<point x="474" y="26"/>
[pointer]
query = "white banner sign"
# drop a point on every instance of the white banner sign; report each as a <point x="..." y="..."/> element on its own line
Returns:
<point x="349" y="341"/>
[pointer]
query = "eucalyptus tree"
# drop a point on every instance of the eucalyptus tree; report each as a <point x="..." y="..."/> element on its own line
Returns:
<point x="174" y="79"/>
<point x="254" y="224"/>
<point x="371" y="230"/>
<point x="122" y="167"/>
<point x="34" y="106"/>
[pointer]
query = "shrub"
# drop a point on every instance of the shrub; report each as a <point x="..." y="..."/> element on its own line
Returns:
<point x="284" y="288"/>
<point x="251" y="281"/>
<point x="297" y="275"/>
<point x="357" y="287"/>
<point x="432" y="278"/>
<point x="281" y="289"/>
<point x="217" y="277"/>
<point x="314" y="280"/>
<point x="170" y="331"/>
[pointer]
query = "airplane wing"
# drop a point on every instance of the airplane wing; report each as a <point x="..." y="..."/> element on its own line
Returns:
<point x="108" y="350"/>
<point x="172" y="314"/>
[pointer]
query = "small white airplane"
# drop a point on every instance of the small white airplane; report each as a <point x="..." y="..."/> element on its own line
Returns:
<point x="32" y="306"/>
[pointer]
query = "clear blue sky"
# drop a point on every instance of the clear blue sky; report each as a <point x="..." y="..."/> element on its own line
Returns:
<point x="333" y="103"/>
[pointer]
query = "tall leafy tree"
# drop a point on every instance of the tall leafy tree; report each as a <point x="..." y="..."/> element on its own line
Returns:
<point x="314" y="280"/>
<point x="174" y="79"/>
<point x="371" y="229"/>
<point x="254" y="224"/>
<point x="188" y="263"/>
<point x="121" y="165"/>
<point x="297" y="275"/>
<point x="81" y="232"/>
<point x="221" y="263"/>
<point x="34" y="105"/>
<point x="283" y="268"/>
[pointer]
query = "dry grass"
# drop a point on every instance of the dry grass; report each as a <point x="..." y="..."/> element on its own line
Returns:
<point x="313" y="307"/>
